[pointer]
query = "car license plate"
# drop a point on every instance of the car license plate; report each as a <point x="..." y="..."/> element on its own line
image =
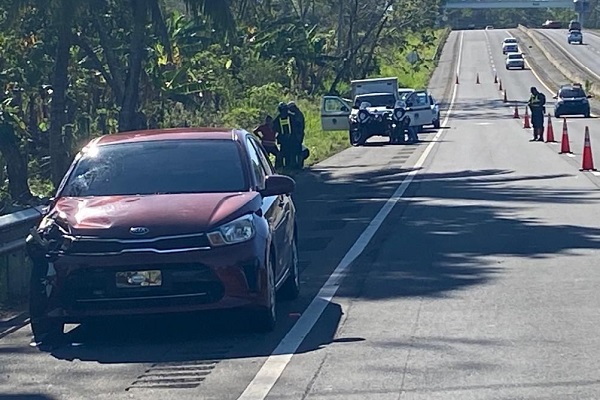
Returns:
<point x="131" y="279"/>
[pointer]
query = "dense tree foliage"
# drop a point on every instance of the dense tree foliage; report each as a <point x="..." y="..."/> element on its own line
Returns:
<point x="74" y="69"/>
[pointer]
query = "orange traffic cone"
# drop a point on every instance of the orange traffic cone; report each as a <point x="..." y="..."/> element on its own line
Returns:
<point x="500" y="87"/>
<point x="505" y="98"/>
<point x="550" y="131"/>
<point x="495" y="78"/>
<point x="526" y="124"/>
<point x="588" y="160"/>
<point x="565" y="147"/>
<point x="516" y="113"/>
<point x="478" y="78"/>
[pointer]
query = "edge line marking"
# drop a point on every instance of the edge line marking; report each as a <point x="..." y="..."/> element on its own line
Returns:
<point x="274" y="366"/>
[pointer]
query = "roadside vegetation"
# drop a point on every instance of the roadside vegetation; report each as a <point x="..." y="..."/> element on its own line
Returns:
<point x="71" y="70"/>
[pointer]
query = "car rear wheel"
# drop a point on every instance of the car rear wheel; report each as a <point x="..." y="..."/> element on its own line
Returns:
<point x="587" y="114"/>
<point x="266" y="317"/>
<point x="556" y="115"/>
<point x="436" y="124"/>
<point x="291" y="288"/>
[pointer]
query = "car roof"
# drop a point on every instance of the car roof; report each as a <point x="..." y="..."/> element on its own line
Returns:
<point x="170" y="134"/>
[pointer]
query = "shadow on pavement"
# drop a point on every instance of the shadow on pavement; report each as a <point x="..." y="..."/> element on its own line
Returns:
<point x="25" y="397"/>
<point x="440" y="248"/>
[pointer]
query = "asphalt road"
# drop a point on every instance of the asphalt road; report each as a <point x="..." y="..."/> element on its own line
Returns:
<point x="587" y="55"/>
<point x="480" y="282"/>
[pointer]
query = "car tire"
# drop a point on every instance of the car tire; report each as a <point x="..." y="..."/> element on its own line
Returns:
<point x="291" y="288"/>
<point x="556" y="115"/>
<point x="587" y="114"/>
<point x="265" y="318"/>
<point x="47" y="331"/>
<point x="436" y="124"/>
<point x="356" y="138"/>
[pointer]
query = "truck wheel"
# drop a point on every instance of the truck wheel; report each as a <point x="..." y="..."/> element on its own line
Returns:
<point x="356" y="138"/>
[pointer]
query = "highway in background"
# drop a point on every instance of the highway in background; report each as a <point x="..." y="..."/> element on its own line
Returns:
<point x="469" y="266"/>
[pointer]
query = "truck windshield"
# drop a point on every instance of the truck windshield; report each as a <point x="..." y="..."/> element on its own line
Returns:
<point x="377" y="100"/>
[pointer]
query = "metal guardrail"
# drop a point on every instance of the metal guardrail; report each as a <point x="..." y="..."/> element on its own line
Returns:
<point x="14" y="263"/>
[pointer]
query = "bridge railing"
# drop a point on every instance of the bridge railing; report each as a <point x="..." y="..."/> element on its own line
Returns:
<point x="14" y="263"/>
<point x="474" y="4"/>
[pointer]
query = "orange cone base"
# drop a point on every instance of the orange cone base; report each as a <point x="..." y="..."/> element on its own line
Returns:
<point x="590" y="169"/>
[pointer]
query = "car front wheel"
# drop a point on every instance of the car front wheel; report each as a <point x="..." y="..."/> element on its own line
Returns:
<point x="47" y="331"/>
<point x="291" y="288"/>
<point x="266" y="318"/>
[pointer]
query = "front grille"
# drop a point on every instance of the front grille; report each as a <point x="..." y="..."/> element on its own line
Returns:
<point x="182" y="284"/>
<point x="167" y="244"/>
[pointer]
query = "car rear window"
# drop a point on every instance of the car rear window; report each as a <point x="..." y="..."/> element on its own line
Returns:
<point x="510" y="40"/>
<point x="574" y="92"/>
<point x="515" y="57"/>
<point x="158" y="167"/>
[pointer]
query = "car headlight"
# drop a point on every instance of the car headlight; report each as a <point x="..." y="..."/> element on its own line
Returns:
<point x="236" y="231"/>
<point x="363" y="115"/>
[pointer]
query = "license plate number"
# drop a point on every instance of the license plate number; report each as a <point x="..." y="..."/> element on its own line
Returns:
<point x="132" y="279"/>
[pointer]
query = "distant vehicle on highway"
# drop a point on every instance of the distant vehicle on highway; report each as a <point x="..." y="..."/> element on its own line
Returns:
<point x="574" y="26"/>
<point x="575" y="37"/>
<point x="515" y="60"/>
<point x="510" y="45"/>
<point x="572" y="100"/>
<point x="165" y="221"/>
<point x="549" y="24"/>
<point x="510" y="48"/>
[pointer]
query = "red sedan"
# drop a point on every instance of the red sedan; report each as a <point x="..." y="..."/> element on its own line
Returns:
<point x="165" y="221"/>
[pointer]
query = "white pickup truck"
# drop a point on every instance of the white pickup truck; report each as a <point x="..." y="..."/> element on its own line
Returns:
<point x="336" y="112"/>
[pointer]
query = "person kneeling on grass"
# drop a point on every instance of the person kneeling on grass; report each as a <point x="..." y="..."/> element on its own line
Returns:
<point x="268" y="137"/>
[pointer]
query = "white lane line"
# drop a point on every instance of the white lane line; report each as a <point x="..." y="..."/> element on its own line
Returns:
<point x="570" y="155"/>
<point x="273" y="368"/>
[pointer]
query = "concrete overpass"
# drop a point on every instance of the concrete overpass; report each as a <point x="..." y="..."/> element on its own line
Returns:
<point x="488" y="4"/>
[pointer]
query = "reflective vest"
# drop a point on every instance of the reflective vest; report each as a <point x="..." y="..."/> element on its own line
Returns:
<point x="286" y="128"/>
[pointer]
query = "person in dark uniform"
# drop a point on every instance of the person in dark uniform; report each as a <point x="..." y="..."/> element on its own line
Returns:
<point x="297" y="136"/>
<point x="282" y="125"/>
<point x="536" y="104"/>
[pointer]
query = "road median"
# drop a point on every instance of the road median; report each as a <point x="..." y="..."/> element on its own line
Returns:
<point x="546" y="56"/>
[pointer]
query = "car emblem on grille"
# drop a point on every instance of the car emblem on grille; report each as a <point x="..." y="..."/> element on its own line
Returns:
<point x="138" y="230"/>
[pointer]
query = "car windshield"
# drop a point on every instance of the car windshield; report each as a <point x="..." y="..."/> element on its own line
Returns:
<point x="515" y="57"/>
<point x="158" y="167"/>
<point x="572" y="92"/>
<point x="377" y="100"/>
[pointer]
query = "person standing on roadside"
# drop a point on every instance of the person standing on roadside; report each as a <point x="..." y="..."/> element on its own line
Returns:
<point x="536" y="104"/>
<point x="297" y="137"/>
<point x="282" y="125"/>
<point x="268" y="138"/>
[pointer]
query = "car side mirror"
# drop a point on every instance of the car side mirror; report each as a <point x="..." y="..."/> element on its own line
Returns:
<point x="410" y="104"/>
<point x="276" y="185"/>
<point x="555" y="97"/>
<point x="589" y="96"/>
<point x="344" y="109"/>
